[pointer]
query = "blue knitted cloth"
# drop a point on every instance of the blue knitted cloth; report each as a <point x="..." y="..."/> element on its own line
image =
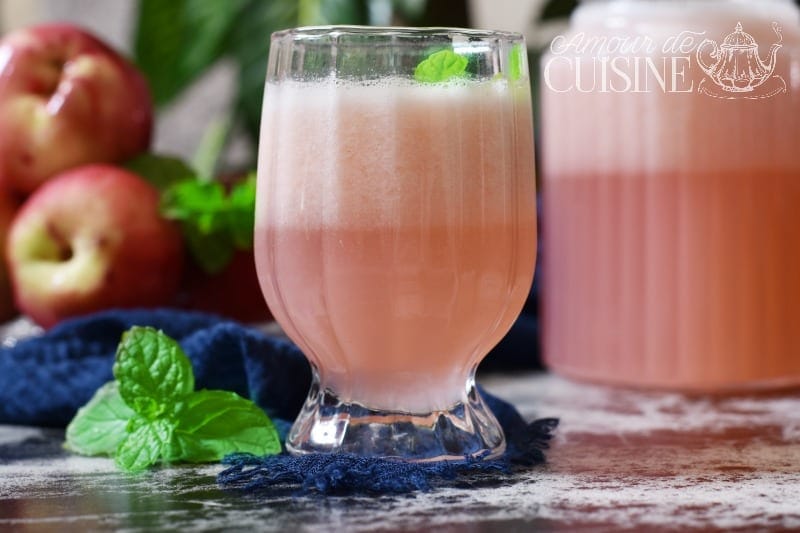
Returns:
<point x="346" y="474"/>
<point x="44" y="380"/>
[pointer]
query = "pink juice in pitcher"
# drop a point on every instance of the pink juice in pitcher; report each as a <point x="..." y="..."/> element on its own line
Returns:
<point x="671" y="212"/>
<point x="396" y="235"/>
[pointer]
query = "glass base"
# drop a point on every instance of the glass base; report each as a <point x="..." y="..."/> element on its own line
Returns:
<point x="328" y="425"/>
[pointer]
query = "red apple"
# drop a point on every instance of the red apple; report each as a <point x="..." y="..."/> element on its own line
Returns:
<point x="234" y="292"/>
<point x="8" y="207"/>
<point x="66" y="99"/>
<point x="92" y="238"/>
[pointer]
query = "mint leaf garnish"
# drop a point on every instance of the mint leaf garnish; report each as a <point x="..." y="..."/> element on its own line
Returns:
<point x="152" y="371"/>
<point x="99" y="426"/>
<point x="441" y="66"/>
<point x="215" y="223"/>
<point x="152" y="414"/>
<point x="515" y="58"/>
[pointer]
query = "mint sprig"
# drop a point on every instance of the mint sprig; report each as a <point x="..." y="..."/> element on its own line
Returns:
<point x="215" y="223"/>
<point x="151" y="412"/>
<point x="441" y="66"/>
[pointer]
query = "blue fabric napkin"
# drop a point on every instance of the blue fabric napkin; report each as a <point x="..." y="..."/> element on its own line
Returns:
<point x="44" y="380"/>
<point x="346" y="474"/>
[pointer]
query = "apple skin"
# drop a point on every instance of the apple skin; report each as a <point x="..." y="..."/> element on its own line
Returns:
<point x="8" y="208"/>
<point x="92" y="238"/>
<point x="234" y="292"/>
<point x="66" y="99"/>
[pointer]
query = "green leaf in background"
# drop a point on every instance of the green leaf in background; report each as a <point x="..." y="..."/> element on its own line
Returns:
<point x="99" y="426"/>
<point x="201" y="209"/>
<point x="211" y="251"/>
<point x="176" y="40"/>
<point x="248" y="46"/>
<point x="441" y="66"/>
<point x="410" y="9"/>
<point x="214" y="223"/>
<point x="202" y="203"/>
<point x="161" y="171"/>
<point x="325" y="12"/>
<point x="152" y="371"/>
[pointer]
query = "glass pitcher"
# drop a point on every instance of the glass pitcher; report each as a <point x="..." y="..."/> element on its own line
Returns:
<point x="671" y="183"/>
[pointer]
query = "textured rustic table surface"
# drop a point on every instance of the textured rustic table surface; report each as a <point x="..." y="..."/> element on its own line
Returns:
<point x="620" y="460"/>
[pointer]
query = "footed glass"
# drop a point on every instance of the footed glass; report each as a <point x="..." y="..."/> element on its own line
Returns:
<point x="396" y="229"/>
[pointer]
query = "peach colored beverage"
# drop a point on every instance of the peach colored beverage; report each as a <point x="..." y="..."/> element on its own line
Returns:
<point x="397" y="234"/>
<point x="672" y="218"/>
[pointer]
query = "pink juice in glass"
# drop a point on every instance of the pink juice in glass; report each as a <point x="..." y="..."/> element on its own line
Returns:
<point x="671" y="218"/>
<point x="396" y="233"/>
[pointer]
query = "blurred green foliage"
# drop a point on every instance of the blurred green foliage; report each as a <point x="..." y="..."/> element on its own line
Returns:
<point x="176" y="41"/>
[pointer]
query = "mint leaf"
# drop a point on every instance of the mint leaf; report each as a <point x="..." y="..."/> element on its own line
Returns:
<point x="515" y="62"/>
<point x="202" y="203"/>
<point x="151" y="413"/>
<point x="213" y="424"/>
<point x="152" y="371"/>
<point x="146" y="445"/>
<point x="159" y="170"/>
<point x="441" y="66"/>
<point x="99" y="426"/>
<point x="214" y="224"/>
<point x="211" y="251"/>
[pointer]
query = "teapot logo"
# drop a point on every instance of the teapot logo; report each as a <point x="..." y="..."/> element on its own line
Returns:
<point x="736" y="69"/>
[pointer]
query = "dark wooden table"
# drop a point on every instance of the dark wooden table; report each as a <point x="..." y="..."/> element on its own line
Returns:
<point x="621" y="460"/>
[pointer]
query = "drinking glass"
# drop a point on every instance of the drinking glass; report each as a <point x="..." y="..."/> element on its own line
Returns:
<point x="396" y="229"/>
